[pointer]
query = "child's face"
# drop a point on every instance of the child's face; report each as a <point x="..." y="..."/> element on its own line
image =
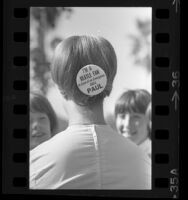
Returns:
<point x="133" y="126"/>
<point x="39" y="128"/>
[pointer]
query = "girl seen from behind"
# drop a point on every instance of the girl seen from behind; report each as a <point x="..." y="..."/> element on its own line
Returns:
<point x="88" y="154"/>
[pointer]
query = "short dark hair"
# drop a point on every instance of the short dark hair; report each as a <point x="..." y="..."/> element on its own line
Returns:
<point x="133" y="101"/>
<point x="76" y="52"/>
<point x="39" y="103"/>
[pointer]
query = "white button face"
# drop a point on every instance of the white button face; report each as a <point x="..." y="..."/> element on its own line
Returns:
<point x="91" y="80"/>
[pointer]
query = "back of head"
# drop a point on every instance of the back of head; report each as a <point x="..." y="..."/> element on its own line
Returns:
<point x="39" y="103"/>
<point x="133" y="101"/>
<point x="74" y="53"/>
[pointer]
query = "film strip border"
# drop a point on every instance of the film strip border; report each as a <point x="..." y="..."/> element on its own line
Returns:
<point x="165" y="102"/>
<point x="165" y="98"/>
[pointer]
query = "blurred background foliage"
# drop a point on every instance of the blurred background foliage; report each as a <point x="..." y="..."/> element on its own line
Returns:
<point x="141" y="48"/>
<point x="42" y="21"/>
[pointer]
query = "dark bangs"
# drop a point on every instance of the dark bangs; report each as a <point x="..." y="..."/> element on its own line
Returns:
<point x="133" y="101"/>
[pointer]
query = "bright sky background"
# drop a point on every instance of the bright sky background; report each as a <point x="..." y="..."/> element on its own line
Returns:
<point x="115" y="24"/>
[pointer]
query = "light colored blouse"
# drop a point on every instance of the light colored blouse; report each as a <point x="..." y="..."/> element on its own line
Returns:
<point x="146" y="146"/>
<point x="89" y="157"/>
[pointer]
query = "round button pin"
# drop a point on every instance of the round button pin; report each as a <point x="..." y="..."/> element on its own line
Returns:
<point x="91" y="80"/>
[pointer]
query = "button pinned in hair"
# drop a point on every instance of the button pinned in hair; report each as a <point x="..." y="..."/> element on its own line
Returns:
<point x="91" y="80"/>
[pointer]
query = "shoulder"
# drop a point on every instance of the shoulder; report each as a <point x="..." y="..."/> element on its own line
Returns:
<point x="47" y="160"/>
<point x="128" y="157"/>
<point x="51" y="146"/>
<point x="61" y="146"/>
<point x="125" y="148"/>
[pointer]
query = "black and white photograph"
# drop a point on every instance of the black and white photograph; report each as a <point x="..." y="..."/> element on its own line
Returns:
<point x="90" y="98"/>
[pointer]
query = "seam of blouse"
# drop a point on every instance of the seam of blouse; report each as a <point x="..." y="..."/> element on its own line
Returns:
<point x="96" y="142"/>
